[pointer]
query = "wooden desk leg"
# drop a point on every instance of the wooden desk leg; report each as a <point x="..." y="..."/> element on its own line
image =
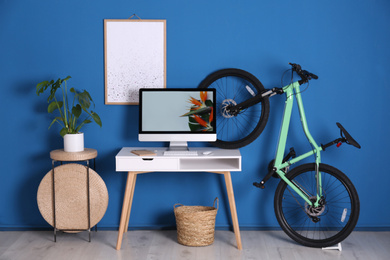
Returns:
<point x="126" y="207"/>
<point x="130" y="203"/>
<point x="233" y="211"/>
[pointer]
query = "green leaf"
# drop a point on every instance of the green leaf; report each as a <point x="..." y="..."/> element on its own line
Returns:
<point x="57" y="119"/>
<point x="199" y="111"/>
<point x="52" y="122"/>
<point x="84" y="99"/>
<point x="54" y="87"/>
<point x="42" y="87"/>
<point x="89" y="96"/>
<point x="76" y="111"/>
<point x="63" y="131"/>
<point x="86" y="121"/>
<point x="209" y="103"/>
<point x="96" y="118"/>
<point x="54" y="105"/>
<point x="196" y="127"/>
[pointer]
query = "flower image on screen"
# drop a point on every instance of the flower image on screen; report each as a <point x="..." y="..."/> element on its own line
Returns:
<point x="200" y="115"/>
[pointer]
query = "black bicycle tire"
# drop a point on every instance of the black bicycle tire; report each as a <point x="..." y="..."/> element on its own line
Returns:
<point x="264" y="111"/>
<point x="342" y="234"/>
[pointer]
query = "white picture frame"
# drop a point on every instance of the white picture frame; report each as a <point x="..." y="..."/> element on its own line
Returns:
<point x="134" y="57"/>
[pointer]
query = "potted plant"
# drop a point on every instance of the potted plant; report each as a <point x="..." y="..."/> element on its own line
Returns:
<point x="69" y="113"/>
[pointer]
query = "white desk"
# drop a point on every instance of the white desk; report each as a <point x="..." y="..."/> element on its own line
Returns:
<point x="219" y="161"/>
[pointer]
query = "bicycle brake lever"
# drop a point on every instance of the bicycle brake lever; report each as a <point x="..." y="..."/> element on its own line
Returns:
<point x="314" y="76"/>
<point x="295" y="66"/>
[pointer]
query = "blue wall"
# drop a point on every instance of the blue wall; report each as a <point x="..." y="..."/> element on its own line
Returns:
<point x="345" y="42"/>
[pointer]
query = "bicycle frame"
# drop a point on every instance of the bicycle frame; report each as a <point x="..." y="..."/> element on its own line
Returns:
<point x="292" y="90"/>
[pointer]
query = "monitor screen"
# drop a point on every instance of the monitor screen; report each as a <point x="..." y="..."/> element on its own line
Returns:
<point x="177" y="114"/>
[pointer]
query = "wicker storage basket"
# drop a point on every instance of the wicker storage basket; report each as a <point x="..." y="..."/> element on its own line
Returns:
<point x="195" y="224"/>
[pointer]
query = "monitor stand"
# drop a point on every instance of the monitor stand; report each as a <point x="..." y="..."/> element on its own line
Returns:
<point x="178" y="146"/>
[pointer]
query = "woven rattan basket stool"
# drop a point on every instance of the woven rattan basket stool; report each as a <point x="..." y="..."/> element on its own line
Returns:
<point x="72" y="197"/>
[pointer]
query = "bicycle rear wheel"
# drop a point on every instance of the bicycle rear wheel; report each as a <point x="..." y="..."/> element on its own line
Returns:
<point x="233" y="87"/>
<point x="322" y="226"/>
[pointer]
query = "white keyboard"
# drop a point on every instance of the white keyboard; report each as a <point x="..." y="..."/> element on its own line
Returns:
<point x="180" y="153"/>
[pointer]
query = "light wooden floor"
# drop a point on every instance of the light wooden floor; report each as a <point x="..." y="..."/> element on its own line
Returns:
<point x="162" y="245"/>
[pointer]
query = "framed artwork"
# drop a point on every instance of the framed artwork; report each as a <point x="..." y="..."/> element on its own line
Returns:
<point x="135" y="57"/>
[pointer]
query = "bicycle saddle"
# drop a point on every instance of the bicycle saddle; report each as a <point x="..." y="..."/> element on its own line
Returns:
<point x="348" y="138"/>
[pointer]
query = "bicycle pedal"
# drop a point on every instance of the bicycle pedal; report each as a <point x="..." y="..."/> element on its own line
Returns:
<point x="258" y="185"/>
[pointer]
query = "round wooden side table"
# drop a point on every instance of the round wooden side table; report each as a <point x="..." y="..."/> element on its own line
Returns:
<point x="72" y="197"/>
<point x="61" y="155"/>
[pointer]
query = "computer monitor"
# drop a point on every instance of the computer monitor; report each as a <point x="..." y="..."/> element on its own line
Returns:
<point x="177" y="116"/>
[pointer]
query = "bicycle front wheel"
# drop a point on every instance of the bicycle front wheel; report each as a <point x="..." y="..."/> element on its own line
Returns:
<point x="233" y="87"/>
<point x="329" y="223"/>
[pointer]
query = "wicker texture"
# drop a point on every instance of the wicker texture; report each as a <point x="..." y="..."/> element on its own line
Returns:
<point x="71" y="197"/>
<point x="61" y="155"/>
<point x="195" y="224"/>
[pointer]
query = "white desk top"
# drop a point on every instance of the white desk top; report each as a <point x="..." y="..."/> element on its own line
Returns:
<point x="218" y="160"/>
<point x="216" y="152"/>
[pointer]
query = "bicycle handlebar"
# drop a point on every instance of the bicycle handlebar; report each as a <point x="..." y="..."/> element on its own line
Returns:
<point x="304" y="74"/>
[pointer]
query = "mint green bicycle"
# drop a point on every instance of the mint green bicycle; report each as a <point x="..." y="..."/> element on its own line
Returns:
<point x="315" y="204"/>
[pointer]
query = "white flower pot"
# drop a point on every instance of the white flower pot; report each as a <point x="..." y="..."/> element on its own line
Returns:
<point x="74" y="142"/>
